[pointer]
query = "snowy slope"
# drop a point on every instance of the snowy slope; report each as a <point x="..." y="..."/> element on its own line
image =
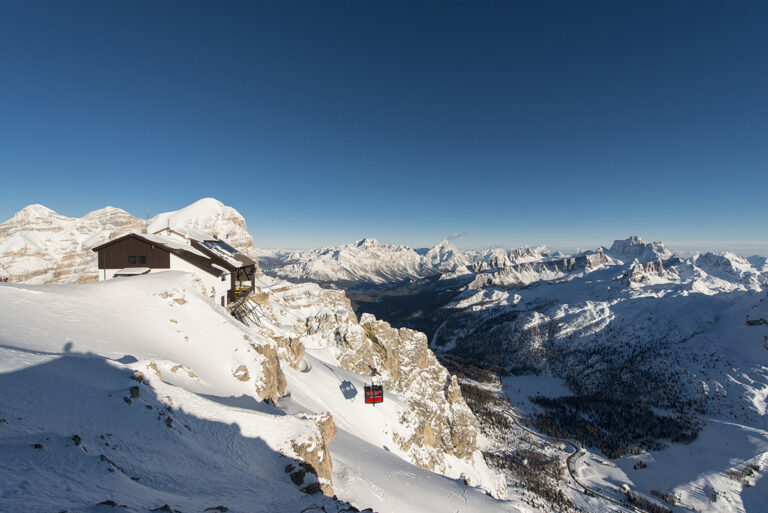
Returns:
<point x="177" y="328"/>
<point x="194" y="432"/>
<point x="163" y="448"/>
<point x="369" y="467"/>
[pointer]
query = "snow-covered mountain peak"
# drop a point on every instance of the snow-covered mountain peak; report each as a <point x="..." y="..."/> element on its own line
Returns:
<point x="730" y="267"/>
<point x="108" y="210"/>
<point x="110" y="215"/>
<point x="35" y="211"/>
<point x="211" y="216"/>
<point x="206" y="203"/>
<point x="446" y="257"/>
<point x="367" y="242"/>
<point x="445" y="245"/>
<point x="635" y="247"/>
<point x="192" y="216"/>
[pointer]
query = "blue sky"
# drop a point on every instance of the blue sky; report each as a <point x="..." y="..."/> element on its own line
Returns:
<point x="564" y="123"/>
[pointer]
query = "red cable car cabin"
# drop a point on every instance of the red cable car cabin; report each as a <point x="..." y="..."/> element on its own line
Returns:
<point x="374" y="394"/>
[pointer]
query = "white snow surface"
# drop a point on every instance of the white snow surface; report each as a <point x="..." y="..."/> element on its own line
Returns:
<point x="197" y="436"/>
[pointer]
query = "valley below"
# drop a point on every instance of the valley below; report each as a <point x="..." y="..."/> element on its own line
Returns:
<point x="626" y="377"/>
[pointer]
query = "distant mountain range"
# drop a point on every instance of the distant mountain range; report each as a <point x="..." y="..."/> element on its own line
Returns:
<point x="367" y="262"/>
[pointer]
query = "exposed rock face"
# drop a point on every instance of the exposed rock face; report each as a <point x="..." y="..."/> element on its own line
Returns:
<point x="37" y="245"/>
<point x="272" y="385"/>
<point x="435" y="424"/>
<point x="290" y="350"/>
<point x="644" y="274"/>
<point x="636" y="248"/>
<point x="437" y="420"/>
<point x="498" y="258"/>
<point x="315" y="453"/>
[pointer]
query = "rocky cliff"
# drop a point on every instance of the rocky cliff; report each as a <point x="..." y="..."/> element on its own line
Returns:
<point x="437" y="420"/>
<point x="435" y="428"/>
<point x="40" y="246"/>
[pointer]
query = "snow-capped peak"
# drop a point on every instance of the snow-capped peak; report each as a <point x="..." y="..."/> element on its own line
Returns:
<point x="445" y="257"/>
<point x="106" y="212"/>
<point x="446" y="244"/>
<point x="35" y="211"/>
<point x="635" y="247"/>
<point x="211" y="216"/>
<point x="191" y="216"/>
<point x="367" y="242"/>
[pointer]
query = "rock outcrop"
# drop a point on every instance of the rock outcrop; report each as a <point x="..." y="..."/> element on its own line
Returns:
<point x="435" y="428"/>
<point x="272" y="383"/>
<point x="644" y="274"/>
<point x="316" y="455"/>
<point x="437" y="421"/>
<point x="635" y="247"/>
